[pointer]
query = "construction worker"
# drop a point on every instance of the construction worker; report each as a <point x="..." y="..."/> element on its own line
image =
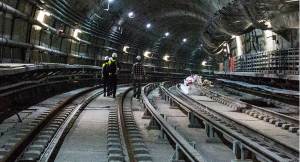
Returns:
<point x="138" y="74"/>
<point x="109" y="88"/>
<point x="114" y="68"/>
<point x="105" y="75"/>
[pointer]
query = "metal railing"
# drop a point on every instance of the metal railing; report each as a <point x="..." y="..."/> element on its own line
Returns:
<point x="279" y="61"/>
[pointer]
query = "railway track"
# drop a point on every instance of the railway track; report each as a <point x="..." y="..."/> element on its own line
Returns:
<point x="183" y="150"/>
<point x="27" y="136"/>
<point x="288" y="123"/>
<point x="136" y="149"/>
<point x="285" y="98"/>
<point x="247" y="141"/>
<point x="41" y="139"/>
<point x="133" y="140"/>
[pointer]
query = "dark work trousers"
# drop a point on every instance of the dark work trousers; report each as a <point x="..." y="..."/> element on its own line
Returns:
<point x="113" y="80"/>
<point x="106" y="85"/>
<point x="137" y="84"/>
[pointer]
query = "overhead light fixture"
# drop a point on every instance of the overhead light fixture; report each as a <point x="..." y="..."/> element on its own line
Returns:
<point x="184" y="40"/>
<point x="125" y="49"/>
<point x="201" y="45"/>
<point x="76" y="33"/>
<point x="41" y="17"/>
<point x="131" y="15"/>
<point x="167" y="34"/>
<point x="292" y="1"/>
<point x="148" y="25"/>
<point x="109" y="1"/>
<point x="204" y="63"/>
<point x="147" y="54"/>
<point x="166" y="58"/>
<point x="42" y="14"/>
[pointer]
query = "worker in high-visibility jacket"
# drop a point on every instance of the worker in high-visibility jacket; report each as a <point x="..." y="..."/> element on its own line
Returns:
<point x="114" y="68"/>
<point x="105" y="76"/>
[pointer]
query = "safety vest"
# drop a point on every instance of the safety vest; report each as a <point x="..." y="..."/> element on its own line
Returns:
<point x="113" y="66"/>
<point x="104" y="68"/>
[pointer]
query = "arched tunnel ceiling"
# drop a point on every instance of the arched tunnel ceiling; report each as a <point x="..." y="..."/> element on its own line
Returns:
<point x="207" y="22"/>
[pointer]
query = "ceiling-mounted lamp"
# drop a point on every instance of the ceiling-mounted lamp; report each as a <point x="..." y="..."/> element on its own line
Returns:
<point x="76" y="31"/>
<point x="184" y="40"/>
<point x="148" y="25"/>
<point x="125" y="49"/>
<point x="147" y="54"/>
<point x="292" y="1"/>
<point x="41" y="17"/>
<point x="131" y="14"/>
<point x="166" y="58"/>
<point x="42" y="14"/>
<point x="167" y="34"/>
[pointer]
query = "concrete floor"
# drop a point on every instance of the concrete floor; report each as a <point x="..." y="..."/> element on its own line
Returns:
<point x="87" y="139"/>
<point x="212" y="152"/>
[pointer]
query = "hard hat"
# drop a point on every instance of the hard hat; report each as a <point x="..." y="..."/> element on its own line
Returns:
<point x="114" y="55"/>
<point x="106" y="58"/>
<point x="110" y="58"/>
<point x="138" y="58"/>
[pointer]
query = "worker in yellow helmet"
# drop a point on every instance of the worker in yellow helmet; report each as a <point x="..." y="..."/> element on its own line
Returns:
<point x="105" y="75"/>
<point x="114" y="68"/>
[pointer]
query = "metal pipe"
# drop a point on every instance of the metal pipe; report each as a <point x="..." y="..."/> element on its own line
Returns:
<point x="11" y="43"/>
<point x="86" y="24"/>
<point x="94" y="30"/>
<point x="11" y="10"/>
<point x="53" y="30"/>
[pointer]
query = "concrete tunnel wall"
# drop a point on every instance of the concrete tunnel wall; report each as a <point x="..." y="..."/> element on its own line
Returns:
<point x="41" y="43"/>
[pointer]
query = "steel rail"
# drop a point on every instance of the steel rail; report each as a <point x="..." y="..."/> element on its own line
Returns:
<point x="25" y="141"/>
<point x="273" y="114"/>
<point x="288" y="99"/>
<point x="225" y="125"/>
<point x="129" y="148"/>
<point x="15" y="152"/>
<point x="184" y="146"/>
<point x="54" y="144"/>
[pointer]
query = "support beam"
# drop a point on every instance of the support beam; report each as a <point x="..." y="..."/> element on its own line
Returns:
<point x="212" y="136"/>
<point x="240" y="152"/>
<point x="194" y="122"/>
<point x="153" y="124"/>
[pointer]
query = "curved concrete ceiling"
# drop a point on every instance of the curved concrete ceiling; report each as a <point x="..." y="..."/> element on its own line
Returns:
<point x="207" y="22"/>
